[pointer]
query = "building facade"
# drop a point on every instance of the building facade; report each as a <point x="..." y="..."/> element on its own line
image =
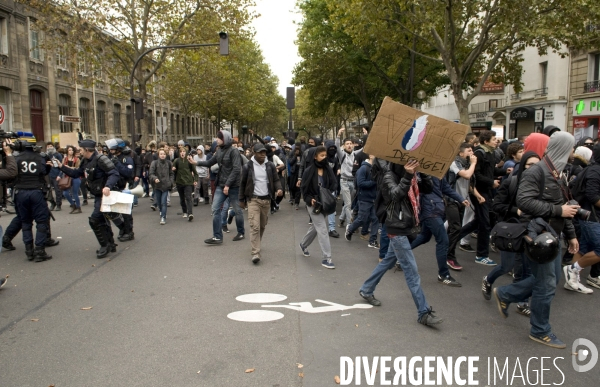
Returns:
<point x="38" y="89"/>
<point x="584" y="97"/>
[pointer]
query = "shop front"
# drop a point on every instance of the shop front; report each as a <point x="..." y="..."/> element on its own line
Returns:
<point x="586" y="118"/>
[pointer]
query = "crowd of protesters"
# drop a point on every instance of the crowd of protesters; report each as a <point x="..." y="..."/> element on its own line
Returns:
<point x="393" y="208"/>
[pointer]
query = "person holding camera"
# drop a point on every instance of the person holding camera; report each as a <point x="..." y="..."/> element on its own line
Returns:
<point x="30" y="200"/>
<point x="259" y="185"/>
<point x="317" y="174"/>
<point x="543" y="193"/>
<point x="102" y="176"/>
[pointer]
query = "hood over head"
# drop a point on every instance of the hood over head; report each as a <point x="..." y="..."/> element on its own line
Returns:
<point x="526" y="156"/>
<point x="536" y="142"/>
<point x="550" y="129"/>
<point x="226" y="137"/>
<point x="559" y="149"/>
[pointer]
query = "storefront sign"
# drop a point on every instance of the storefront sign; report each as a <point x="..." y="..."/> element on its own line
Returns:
<point x="586" y="107"/>
<point x="490" y="87"/>
<point x="539" y="115"/>
<point x="523" y="113"/>
<point x="579" y="123"/>
<point x="549" y="116"/>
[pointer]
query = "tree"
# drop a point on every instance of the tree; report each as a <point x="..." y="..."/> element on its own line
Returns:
<point x="474" y="40"/>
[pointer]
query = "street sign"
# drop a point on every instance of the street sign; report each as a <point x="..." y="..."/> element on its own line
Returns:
<point x="1" y="115"/>
<point x="69" y="119"/>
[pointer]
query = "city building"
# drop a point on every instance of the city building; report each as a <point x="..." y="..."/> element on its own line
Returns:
<point x="40" y="93"/>
<point x="584" y="99"/>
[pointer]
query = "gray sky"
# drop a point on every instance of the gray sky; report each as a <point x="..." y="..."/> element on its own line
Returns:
<point x="275" y="33"/>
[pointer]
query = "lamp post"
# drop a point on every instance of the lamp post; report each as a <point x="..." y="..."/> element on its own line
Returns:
<point x="224" y="50"/>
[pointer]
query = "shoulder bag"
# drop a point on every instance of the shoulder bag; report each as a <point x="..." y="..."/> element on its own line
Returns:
<point x="64" y="183"/>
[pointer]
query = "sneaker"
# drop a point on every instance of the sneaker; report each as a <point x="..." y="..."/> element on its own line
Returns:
<point x="448" y="280"/>
<point x="550" y="340"/>
<point x="374" y="245"/>
<point x="474" y="235"/>
<point x="255" y="258"/>
<point x="467" y="248"/>
<point x="342" y="224"/>
<point x="571" y="276"/>
<point x="524" y="310"/>
<point x="328" y="263"/>
<point x="213" y="241"/>
<point x="502" y="306"/>
<point x="162" y="221"/>
<point x="225" y="229"/>
<point x="168" y="204"/>
<point x="485" y="261"/>
<point x="454" y="265"/>
<point x="593" y="281"/>
<point x="145" y="195"/>
<point x="397" y="267"/>
<point x="579" y="288"/>
<point x="429" y="318"/>
<point x="238" y="237"/>
<point x="486" y="289"/>
<point x="365" y="237"/>
<point x="201" y="200"/>
<point x="348" y="234"/>
<point x="304" y="251"/>
<point x="190" y="217"/>
<point x="3" y="282"/>
<point x="153" y="207"/>
<point x="185" y="215"/>
<point x="370" y="299"/>
<point x="334" y="234"/>
<point x="230" y="218"/>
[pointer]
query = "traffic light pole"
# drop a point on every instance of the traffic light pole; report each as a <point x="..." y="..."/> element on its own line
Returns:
<point x="223" y="44"/>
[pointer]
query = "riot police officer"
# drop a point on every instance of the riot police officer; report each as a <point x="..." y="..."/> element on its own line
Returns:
<point x="102" y="176"/>
<point x="30" y="199"/>
<point x="124" y="164"/>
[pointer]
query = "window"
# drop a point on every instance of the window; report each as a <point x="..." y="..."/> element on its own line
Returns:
<point x="158" y="121"/>
<point x="596" y="68"/>
<point x="84" y="114"/>
<point x="128" y="118"/>
<point x="149" y="125"/>
<point x="172" y="126"/>
<point x="64" y="109"/>
<point x="101" y="116"/>
<point x="61" y="58"/>
<point x="3" y="36"/>
<point x="177" y="125"/>
<point x="35" y="52"/>
<point x="117" y="118"/>
<point x="544" y="75"/>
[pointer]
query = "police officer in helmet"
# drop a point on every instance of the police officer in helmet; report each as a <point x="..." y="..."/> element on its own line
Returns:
<point x="30" y="199"/>
<point x="124" y="164"/>
<point x="102" y="176"/>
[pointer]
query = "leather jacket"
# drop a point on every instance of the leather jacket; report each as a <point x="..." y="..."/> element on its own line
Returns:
<point x="395" y="194"/>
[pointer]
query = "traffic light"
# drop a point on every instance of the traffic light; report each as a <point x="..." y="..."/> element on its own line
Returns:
<point x="139" y="108"/>
<point x="223" y="43"/>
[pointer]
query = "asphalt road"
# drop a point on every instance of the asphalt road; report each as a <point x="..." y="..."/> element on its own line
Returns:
<point x="160" y="305"/>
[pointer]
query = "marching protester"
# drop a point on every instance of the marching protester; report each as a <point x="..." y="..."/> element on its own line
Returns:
<point x="201" y="190"/>
<point x="367" y="192"/>
<point x="346" y="155"/>
<point x="186" y="178"/>
<point x="72" y="193"/>
<point x="227" y="185"/>
<point x="162" y="178"/>
<point x="543" y="193"/>
<point x="260" y="184"/>
<point x="401" y="188"/>
<point x="102" y="177"/>
<point x="318" y="174"/>
<point x="334" y="163"/>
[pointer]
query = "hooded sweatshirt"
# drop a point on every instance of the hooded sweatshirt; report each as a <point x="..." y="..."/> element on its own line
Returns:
<point x="536" y="142"/>
<point x="202" y="171"/>
<point x="229" y="160"/>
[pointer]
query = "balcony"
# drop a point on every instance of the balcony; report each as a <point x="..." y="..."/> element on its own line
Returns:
<point x="529" y="94"/>
<point x="591" y="87"/>
<point x="489" y="106"/>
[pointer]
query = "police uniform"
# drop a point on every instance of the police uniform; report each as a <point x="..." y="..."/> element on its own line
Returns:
<point x="31" y="202"/>
<point x="124" y="164"/>
<point x="101" y="173"/>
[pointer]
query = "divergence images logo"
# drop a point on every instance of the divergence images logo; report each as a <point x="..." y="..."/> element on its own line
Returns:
<point x="582" y="355"/>
<point x="414" y="137"/>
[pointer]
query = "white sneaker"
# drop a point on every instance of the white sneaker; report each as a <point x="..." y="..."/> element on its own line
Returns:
<point x="201" y="200"/>
<point x="571" y="276"/>
<point x="579" y="288"/>
<point x="593" y="281"/>
<point x="162" y="221"/>
<point x="185" y="215"/>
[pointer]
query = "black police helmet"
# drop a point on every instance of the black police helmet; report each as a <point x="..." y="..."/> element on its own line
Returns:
<point x="543" y="248"/>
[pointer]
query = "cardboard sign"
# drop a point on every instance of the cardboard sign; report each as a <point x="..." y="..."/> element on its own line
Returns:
<point x="401" y="133"/>
<point x="65" y="139"/>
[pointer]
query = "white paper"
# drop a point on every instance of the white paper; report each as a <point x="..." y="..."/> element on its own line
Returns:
<point x="117" y="202"/>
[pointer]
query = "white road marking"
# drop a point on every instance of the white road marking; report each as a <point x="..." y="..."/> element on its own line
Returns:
<point x="261" y="298"/>
<point x="255" y="315"/>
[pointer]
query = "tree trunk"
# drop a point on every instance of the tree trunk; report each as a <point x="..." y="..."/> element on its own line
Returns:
<point x="463" y="108"/>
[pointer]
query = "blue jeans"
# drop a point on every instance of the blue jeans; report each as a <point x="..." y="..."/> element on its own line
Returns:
<point x="72" y="194"/>
<point x="226" y="211"/>
<point x="218" y="201"/>
<point x="160" y="200"/>
<point x="435" y="227"/>
<point x="507" y="262"/>
<point x="366" y="216"/>
<point x="331" y="221"/>
<point x="384" y="242"/>
<point x="400" y="251"/>
<point x="541" y="287"/>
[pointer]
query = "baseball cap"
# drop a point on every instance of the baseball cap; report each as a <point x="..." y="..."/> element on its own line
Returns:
<point x="258" y="147"/>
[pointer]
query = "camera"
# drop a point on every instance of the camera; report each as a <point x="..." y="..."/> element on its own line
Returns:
<point x="193" y="152"/>
<point x="4" y="134"/>
<point x="581" y="213"/>
<point x="317" y="208"/>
